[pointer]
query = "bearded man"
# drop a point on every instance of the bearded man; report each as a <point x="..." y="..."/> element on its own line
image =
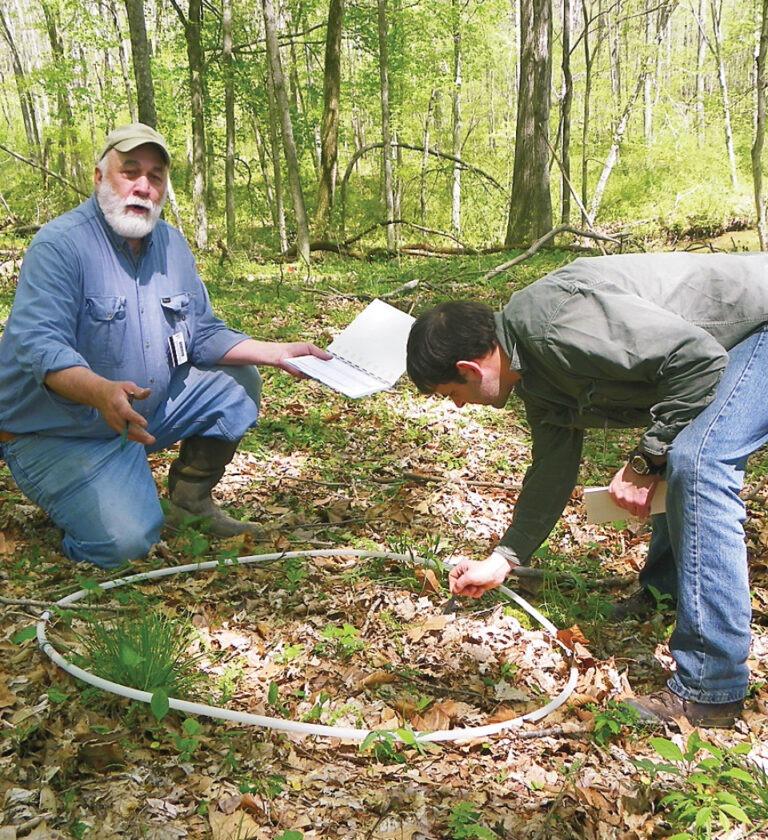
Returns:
<point x="111" y="352"/>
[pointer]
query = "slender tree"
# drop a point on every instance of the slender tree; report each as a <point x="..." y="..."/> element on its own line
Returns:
<point x="26" y="104"/>
<point x="565" y="116"/>
<point x="229" y="120"/>
<point x="329" y="131"/>
<point x="192" y="23"/>
<point x="530" y="213"/>
<point x="142" y="66"/>
<point x="289" y="144"/>
<point x="389" y="194"/>
<point x="757" y="146"/>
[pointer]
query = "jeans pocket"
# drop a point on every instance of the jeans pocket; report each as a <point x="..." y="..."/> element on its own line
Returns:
<point x="103" y="330"/>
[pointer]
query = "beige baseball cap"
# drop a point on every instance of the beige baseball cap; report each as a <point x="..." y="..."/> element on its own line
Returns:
<point x="128" y="137"/>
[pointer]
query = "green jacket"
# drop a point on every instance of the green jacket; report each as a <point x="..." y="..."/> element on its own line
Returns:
<point x="636" y="340"/>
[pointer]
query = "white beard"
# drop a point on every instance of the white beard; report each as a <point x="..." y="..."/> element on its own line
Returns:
<point x="122" y="221"/>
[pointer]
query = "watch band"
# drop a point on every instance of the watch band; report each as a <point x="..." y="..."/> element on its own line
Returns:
<point x="643" y="465"/>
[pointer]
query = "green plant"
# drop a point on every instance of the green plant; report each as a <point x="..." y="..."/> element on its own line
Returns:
<point x="663" y="600"/>
<point x="273" y="699"/>
<point x="290" y="835"/>
<point x="383" y="746"/>
<point x="289" y="653"/>
<point x="611" y="720"/>
<point x="149" y="651"/>
<point x="189" y="739"/>
<point x="464" y="824"/>
<point x="342" y="641"/>
<point x="713" y="791"/>
<point x="292" y="573"/>
<point x="270" y="786"/>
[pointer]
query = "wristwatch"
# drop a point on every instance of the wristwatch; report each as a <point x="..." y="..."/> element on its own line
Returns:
<point x="642" y="464"/>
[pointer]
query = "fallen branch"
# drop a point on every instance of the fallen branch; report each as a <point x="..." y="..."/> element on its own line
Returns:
<point x="500" y="269"/>
<point x="31" y="602"/>
<point x="44" y="169"/>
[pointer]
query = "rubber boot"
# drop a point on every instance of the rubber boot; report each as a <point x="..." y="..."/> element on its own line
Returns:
<point x="197" y="470"/>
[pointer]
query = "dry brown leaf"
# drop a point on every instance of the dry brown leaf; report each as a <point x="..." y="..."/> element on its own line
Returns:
<point x="236" y="826"/>
<point x="7" y="697"/>
<point x="434" y="719"/>
<point x="376" y="678"/>
<point x="429" y="580"/>
<point x="7" y="545"/>
<point x="571" y="636"/>
<point x="503" y="713"/>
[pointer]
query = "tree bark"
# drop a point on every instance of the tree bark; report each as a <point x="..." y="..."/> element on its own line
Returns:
<point x="124" y="71"/>
<point x="25" y="98"/>
<point x="716" y="9"/>
<point x="456" y="111"/>
<point x="277" y="170"/>
<point x="701" y="50"/>
<point x="192" y="23"/>
<point x="648" y="81"/>
<point x="229" y="120"/>
<point x="757" y="146"/>
<point x="329" y="132"/>
<point x="389" y="195"/>
<point x="142" y="67"/>
<point x="425" y="159"/>
<point x="289" y="144"/>
<point x="565" y="117"/>
<point x="530" y="213"/>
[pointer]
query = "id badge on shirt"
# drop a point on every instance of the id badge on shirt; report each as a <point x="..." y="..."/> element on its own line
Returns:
<point x="178" y="348"/>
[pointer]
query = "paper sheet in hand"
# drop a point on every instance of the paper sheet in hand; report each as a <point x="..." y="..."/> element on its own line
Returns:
<point x="601" y="507"/>
<point x="368" y="356"/>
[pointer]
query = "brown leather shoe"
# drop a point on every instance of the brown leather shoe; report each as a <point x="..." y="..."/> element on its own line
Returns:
<point x="665" y="706"/>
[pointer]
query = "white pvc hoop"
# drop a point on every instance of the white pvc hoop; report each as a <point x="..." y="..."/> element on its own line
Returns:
<point x="296" y="727"/>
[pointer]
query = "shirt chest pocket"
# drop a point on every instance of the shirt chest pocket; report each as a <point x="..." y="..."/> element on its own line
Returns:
<point x="177" y="310"/>
<point x="104" y="327"/>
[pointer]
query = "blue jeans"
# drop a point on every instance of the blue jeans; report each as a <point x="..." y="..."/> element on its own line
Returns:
<point x="698" y="551"/>
<point x="101" y="494"/>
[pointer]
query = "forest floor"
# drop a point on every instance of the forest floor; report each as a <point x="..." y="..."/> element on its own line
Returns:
<point x="369" y="644"/>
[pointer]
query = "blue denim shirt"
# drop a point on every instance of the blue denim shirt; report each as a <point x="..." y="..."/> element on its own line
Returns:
<point x="83" y="300"/>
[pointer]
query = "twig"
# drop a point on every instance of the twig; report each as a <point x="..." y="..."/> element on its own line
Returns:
<point x="572" y="770"/>
<point x="544" y="239"/>
<point x="29" y="602"/>
<point x="44" y="169"/>
<point x="552" y="732"/>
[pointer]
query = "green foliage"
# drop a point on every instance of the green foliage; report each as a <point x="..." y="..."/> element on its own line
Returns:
<point x="610" y="721"/>
<point x="711" y="792"/>
<point x="293" y="572"/>
<point x="464" y="824"/>
<point x="189" y="739"/>
<point x="342" y="642"/>
<point x="270" y="785"/>
<point x="24" y="635"/>
<point x="148" y="651"/>
<point x="383" y="747"/>
<point x="290" y="835"/>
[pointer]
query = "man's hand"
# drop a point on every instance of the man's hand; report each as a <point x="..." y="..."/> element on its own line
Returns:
<point x="633" y="492"/>
<point x="474" y="578"/>
<point x="298" y="348"/>
<point x="113" y="403"/>
<point x="274" y="353"/>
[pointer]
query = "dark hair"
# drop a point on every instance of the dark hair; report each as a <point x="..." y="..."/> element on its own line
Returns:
<point x="453" y="331"/>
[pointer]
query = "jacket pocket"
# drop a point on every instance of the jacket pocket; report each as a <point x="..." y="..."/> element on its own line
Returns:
<point x="105" y="324"/>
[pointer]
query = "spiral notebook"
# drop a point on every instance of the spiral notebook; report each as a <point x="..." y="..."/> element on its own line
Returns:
<point x="368" y="355"/>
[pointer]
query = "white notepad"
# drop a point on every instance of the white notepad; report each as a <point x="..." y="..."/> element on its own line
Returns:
<point x="601" y="507"/>
<point x="368" y="356"/>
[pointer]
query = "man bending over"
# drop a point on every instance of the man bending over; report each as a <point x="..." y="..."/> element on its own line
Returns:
<point x="676" y="344"/>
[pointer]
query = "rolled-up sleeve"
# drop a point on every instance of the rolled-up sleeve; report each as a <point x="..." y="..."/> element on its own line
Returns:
<point x="547" y="485"/>
<point x="43" y="328"/>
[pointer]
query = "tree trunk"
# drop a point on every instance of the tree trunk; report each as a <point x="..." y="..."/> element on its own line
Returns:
<point x="530" y="213"/>
<point x="701" y="51"/>
<point x="757" y="146"/>
<point x="192" y="24"/>
<point x="289" y="144"/>
<point x="425" y="159"/>
<point x="648" y="81"/>
<point x="229" y="120"/>
<point x="64" y="106"/>
<point x="25" y="99"/>
<point x="261" y="152"/>
<point x="329" y="132"/>
<point x="716" y="9"/>
<point x="277" y="170"/>
<point x="565" y="117"/>
<point x="456" y="180"/>
<point x="129" y="98"/>
<point x="142" y="67"/>
<point x="389" y="196"/>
